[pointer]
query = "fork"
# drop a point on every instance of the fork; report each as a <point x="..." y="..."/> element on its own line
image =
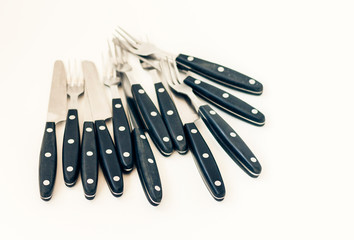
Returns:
<point x="148" y="111"/>
<point x="71" y="141"/>
<point x="167" y="107"/>
<point x="121" y="128"/>
<point x="210" y="70"/>
<point x="204" y="159"/>
<point x="221" y="130"/>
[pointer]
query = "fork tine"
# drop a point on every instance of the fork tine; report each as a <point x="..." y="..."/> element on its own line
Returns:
<point x="127" y="34"/>
<point x="125" y="44"/>
<point x="130" y="42"/>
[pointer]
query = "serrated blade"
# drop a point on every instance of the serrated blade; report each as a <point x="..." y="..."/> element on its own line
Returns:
<point x="94" y="89"/>
<point x="57" y="107"/>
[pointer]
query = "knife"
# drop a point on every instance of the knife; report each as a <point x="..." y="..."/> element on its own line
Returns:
<point x="144" y="158"/>
<point x="100" y="112"/>
<point x="56" y="113"/>
<point x="89" y="154"/>
<point x="220" y="74"/>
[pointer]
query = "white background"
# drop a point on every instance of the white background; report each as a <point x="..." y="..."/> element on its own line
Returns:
<point x="302" y="51"/>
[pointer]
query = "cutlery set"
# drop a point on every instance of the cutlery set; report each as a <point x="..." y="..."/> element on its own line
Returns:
<point x="130" y="145"/>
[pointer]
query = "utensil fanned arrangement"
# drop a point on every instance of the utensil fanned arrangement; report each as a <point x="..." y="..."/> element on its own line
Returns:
<point x="130" y="145"/>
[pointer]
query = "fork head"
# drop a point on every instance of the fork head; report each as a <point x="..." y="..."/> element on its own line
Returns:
<point x="75" y="82"/>
<point x="175" y="82"/>
<point x="121" y="57"/>
<point x="110" y="75"/>
<point x="135" y="46"/>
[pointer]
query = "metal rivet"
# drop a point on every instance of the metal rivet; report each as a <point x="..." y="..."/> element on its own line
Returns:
<point x="194" y="130"/>
<point x="69" y="169"/>
<point x="205" y="155"/>
<point x="88" y="129"/>
<point x="252" y="81"/>
<point x="157" y="188"/>
<point x="161" y="90"/>
<point x="46" y="182"/>
<point x="71" y="141"/>
<point x="225" y="95"/>
<point x="212" y="112"/>
<point x="169" y="112"/>
<point x="72" y="117"/>
<point x="150" y="160"/>
<point x="166" y="139"/>
<point x="121" y="128"/>
<point x="197" y="81"/>
<point x="253" y="159"/>
<point x="179" y="138"/>
<point x="118" y="105"/>
<point x="102" y="127"/>
<point x="89" y="153"/>
<point x="142" y="137"/>
<point x="153" y="113"/>
<point x="254" y="111"/>
<point x="217" y="183"/>
<point x="49" y="130"/>
<point x="232" y="134"/>
<point x="90" y="181"/>
<point x="109" y="151"/>
<point x="190" y="58"/>
<point x="47" y="154"/>
<point x="116" y="178"/>
<point x="126" y="154"/>
<point x="141" y="91"/>
<point x="221" y="69"/>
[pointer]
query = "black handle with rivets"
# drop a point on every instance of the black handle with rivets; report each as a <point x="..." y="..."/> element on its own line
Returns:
<point x="230" y="141"/>
<point x="89" y="160"/>
<point x="171" y="118"/>
<point x="122" y="137"/>
<point x="152" y="120"/>
<point x="108" y="159"/>
<point x="220" y="74"/>
<point x="226" y="101"/>
<point x="147" y="168"/>
<point x="71" y="148"/>
<point x="205" y="162"/>
<point x="48" y="162"/>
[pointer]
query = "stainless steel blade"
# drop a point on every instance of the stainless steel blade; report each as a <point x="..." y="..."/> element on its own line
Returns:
<point x="94" y="89"/>
<point x="57" y="107"/>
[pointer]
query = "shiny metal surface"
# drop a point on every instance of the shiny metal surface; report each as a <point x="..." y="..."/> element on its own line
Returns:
<point x="94" y="89"/>
<point x="57" y="107"/>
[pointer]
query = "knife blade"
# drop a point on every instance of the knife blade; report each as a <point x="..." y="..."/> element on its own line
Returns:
<point x="56" y="113"/>
<point x="100" y="112"/>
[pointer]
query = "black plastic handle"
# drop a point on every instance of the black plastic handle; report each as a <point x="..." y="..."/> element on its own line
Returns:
<point x="171" y="118"/>
<point x="109" y="159"/>
<point x="71" y="148"/>
<point x="230" y="141"/>
<point x="48" y="162"/>
<point x="147" y="168"/>
<point x="89" y="160"/>
<point x="205" y="162"/>
<point x="152" y="120"/>
<point x="226" y="101"/>
<point x="122" y="137"/>
<point x="220" y="74"/>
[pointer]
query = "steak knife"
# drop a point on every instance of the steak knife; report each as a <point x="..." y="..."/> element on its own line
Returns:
<point x="100" y="112"/>
<point x="56" y="113"/>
